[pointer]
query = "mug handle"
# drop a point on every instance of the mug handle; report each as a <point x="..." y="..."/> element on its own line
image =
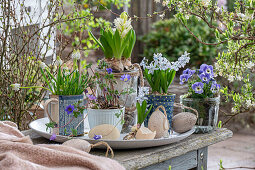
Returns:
<point x="46" y="107"/>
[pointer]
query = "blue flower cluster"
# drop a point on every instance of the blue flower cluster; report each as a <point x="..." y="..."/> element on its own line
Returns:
<point x="205" y="78"/>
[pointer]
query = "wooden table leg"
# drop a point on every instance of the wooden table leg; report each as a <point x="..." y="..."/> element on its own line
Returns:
<point x="202" y="158"/>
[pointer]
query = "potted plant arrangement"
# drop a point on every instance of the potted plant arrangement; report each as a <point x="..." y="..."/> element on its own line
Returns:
<point x="203" y="95"/>
<point x="105" y="106"/>
<point x="117" y="43"/>
<point x="66" y="101"/>
<point x="160" y="74"/>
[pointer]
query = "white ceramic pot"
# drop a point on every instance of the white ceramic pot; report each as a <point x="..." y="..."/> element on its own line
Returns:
<point x="106" y="116"/>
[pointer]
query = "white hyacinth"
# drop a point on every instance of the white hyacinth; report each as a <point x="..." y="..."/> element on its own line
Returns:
<point x="123" y="24"/>
<point x="76" y="55"/>
<point x="141" y="94"/>
<point x="161" y="63"/>
<point x="42" y="65"/>
<point x="15" y="87"/>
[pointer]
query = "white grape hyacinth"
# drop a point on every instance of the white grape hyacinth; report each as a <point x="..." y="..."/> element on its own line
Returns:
<point x="15" y="87"/>
<point x="161" y="63"/>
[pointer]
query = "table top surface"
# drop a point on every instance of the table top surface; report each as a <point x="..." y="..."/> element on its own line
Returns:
<point x="138" y="158"/>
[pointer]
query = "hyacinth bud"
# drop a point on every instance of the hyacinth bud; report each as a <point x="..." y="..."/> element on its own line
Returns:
<point x="124" y="16"/>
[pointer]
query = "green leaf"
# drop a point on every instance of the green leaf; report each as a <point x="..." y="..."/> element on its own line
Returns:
<point x="95" y="39"/>
<point x="74" y="132"/>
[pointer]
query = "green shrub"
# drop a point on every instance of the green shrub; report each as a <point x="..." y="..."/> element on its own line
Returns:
<point x="171" y="38"/>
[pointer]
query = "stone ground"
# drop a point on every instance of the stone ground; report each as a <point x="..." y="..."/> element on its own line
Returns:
<point x="238" y="151"/>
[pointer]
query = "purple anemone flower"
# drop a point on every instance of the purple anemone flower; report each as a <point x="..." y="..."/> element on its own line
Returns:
<point x="96" y="137"/>
<point x="125" y="77"/>
<point x="69" y="109"/>
<point x="205" y="77"/>
<point x="189" y="71"/>
<point x="198" y="87"/>
<point x="184" y="78"/>
<point x="208" y="69"/>
<point x="215" y="87"/>
<point x="53" y="136"/>
<point x="91" y="97"/>
<point x="109" y="70"/>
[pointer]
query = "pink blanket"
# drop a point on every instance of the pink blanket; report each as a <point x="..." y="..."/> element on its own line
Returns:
<point x="17" y="152"/>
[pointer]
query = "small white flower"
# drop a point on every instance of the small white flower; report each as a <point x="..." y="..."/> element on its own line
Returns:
<point x="165" y="2"/>
<point x="217" y="66"/>
<point x="162" y="16"/>
<point x="76" y="55"/>
<point x="248" y="103"/>
<point x="65" y="68"/>
<point x="234" y="110"/>
<point x="66" y="73"/>
<point x="220" y="73"/>
<point x="42" y="65"/>
<point x="15" y="87"/>
<point x="250" y="65"/>
<point x="157" y="1"/>
<point x="59" y="62"/>
<point x="206" y="3"/>
<point x="231" y="78"/>
<point x="239" y="78"/>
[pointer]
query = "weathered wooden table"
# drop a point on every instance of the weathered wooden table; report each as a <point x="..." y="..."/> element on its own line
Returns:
<point x="187" y="154"/>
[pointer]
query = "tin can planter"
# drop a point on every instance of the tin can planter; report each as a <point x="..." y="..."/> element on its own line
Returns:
<point x="106" y="116"/>
<point x="156" y="100"/>
<point x="207" y="112"/>
<point x="65" y="122"/>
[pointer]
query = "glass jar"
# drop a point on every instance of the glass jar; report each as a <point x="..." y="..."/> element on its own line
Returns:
<point x="207" y="108"/>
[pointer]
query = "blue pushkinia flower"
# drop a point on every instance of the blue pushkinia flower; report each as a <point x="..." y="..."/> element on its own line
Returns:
<point x="109" y="70"/>
<point x="184" y="78"/>
<point x="208" y="69"/>
<point x="125" y="77"/>
<point x="97" y="137"/>
<point x="205" y="77"/>
<point x="69" y="109"/>
<point x="215" y="87"/>
<point x="198" y="87"/>
<point x="189" y="72"/>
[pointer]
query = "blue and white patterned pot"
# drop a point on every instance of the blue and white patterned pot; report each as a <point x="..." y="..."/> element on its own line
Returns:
<point x="156" y="100"/>
<point x="58" y="114"/>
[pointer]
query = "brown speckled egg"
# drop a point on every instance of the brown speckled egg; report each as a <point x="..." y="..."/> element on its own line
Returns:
<point x="183" y="122"/>
<point x="158" y="122"/>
